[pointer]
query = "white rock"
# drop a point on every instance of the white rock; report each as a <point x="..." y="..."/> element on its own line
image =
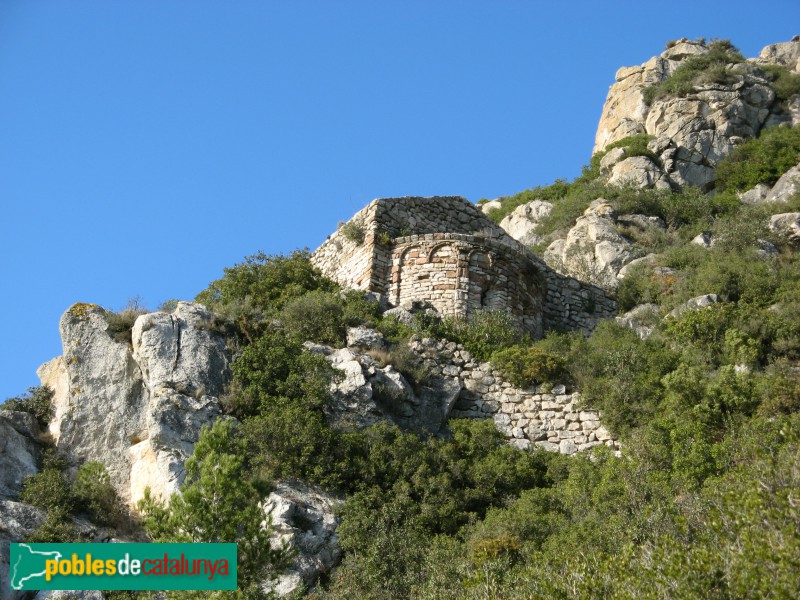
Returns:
<point x="522" y="222"/>
<point x="305" y="519"/>
<point x="696" y="303"/>
<point x="640" y="172"/>
<point x="365" y="337"/>
<point x="786" y="225"/>
<point x="756" y="194"/>
<point x="786" y="186"/>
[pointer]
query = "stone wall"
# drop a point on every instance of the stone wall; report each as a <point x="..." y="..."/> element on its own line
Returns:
<point x="445" y="251"/>
<point x="551" y="417"/>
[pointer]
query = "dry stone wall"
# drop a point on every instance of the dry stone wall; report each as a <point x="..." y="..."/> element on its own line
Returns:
<point x="446" y="252"/>
<point x="550" y="417"/>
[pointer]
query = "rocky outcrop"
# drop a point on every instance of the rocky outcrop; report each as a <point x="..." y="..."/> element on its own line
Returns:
<point x="692" y="133"/>
<point x="639" y="171"/>
<point x="19" y="451"/>
<point x="643" y="319"/>
<point x="786" y="54"/>
<point x="786" y="226"/>
<point x="17" y="521"/>
<point x="593" y="251"/>
<point x="697" y="303"/>
<point x="137" y="408"/>
<point x="304" y="520"/>
<point x="787" y="186"/>
<point x="521" y="224"/>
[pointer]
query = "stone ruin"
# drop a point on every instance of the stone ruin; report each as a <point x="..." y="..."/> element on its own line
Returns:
<point x="445" y="252"/>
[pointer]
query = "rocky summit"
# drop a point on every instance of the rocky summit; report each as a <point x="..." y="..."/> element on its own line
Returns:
<point x="587" y="389"/>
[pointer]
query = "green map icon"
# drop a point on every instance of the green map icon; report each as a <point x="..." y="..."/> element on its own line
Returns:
<point x="28" y="564"/>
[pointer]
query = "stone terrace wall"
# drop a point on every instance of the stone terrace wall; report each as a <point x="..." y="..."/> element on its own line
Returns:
<point x="551" y="418"/>
<point x="445" y="251"/>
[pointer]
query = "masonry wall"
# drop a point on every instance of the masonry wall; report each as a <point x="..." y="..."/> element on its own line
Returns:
<point x="445" y="251"/>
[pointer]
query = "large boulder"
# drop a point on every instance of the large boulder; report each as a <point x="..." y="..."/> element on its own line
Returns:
<point x="17" y="521"/>
<point x="786" y="226"/>
<point x="523" y="221"/>
<point x="786" y="54"/>
<point x="304" y="520"/>
<point x="593" y="250"/>
<point x="639" y="171"/>
<point x="137" y="408"/>
<point x="786" y="187"/>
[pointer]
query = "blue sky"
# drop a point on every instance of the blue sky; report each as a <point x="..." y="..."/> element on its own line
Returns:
<point x="145" y="146"/>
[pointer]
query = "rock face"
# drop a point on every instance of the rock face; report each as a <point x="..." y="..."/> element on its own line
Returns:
<point x="17" y="521"/>
<point x="137" y="408"/>
<point x="692" y="133"/>
<point x="593" y="250"/>
<point x="642" y="319"/>
<point x="696" y="303"/>
<point x="522" y="222"/>
<point x="304" y="520"/>
<point x="19" y="451"/>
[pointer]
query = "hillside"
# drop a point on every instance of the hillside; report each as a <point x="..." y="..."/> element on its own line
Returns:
<point x="585" y="390"/>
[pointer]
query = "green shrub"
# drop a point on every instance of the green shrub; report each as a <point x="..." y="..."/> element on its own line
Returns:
<point x="760" y="160"/>
<point x="276" y="368"/>
<point x="697" y="70"/>
<point x="56" y="529"/>
<point x="49" y="488"/>
<point x="316" y="316"/>
<point x="634" y="145"/>
<point x="219" y="503"/>
<point x="526" y="366"/>
<point x="266" y="282"/>
<point x="353" y="231"/>
<point x="37" y="401"/>
<point x="784" y="82"/>
<point x="549" y="193"/>
<point x="409" y="363"/>
<point x="120" y="325"/>
<point x="95" y="495"/>
<point x="485" y="331"/>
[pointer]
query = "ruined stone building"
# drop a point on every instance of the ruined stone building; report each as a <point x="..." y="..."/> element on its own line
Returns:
<point x="443" y="250"/>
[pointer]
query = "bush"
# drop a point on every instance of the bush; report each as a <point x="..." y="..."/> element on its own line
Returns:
<point x="697" y="70"/>
<point x="485" y="331"/>
<point x="36" y="401"/>
<point x="317" y="316"/>
<point x="120" y="324"/>
<point x="785" y="84"/>
<point x="95" y="495"/>
<point x="353" y="231"/>
<point x="526" y="366"/>
<point x="760" y="160"/>
<point x="49" y="488"/>
<point x="266" y="282"/>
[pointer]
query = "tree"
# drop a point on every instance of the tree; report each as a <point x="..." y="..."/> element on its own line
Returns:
<point x="218" y="503"/>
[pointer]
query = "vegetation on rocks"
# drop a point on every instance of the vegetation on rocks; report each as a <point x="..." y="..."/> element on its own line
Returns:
<point x="711" y="67"/>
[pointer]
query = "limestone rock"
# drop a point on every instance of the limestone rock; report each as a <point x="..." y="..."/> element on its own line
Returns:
<point x="787" y="186"/>
<point x="69" y="595"/>
<point x="19" y="451"/>
<point x="756" y="194"/>
<point x="703" y="239"/>
<point x="489" y="206"/>
<point x="304" y="520"/>
<point x="522" y="223"/>
<point x="696" y="303"/>
<point x="17" y="521"/>
<point x="644" y="260"/>
<point x="786" y="54"/>
<point x="787" y="226"/>
<point x="593" y="251"/>
<point x="401" y="314"/>
<point x="365" y="337"/>
<point x="642" y="222"/>
<point x="693" y="132"/>
<point x="639" y="171"/>
<point x="138" y="408"/>
<point x="643" y="319"/>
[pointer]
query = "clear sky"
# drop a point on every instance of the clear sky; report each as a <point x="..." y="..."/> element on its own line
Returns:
<point x="145" y="145"/>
